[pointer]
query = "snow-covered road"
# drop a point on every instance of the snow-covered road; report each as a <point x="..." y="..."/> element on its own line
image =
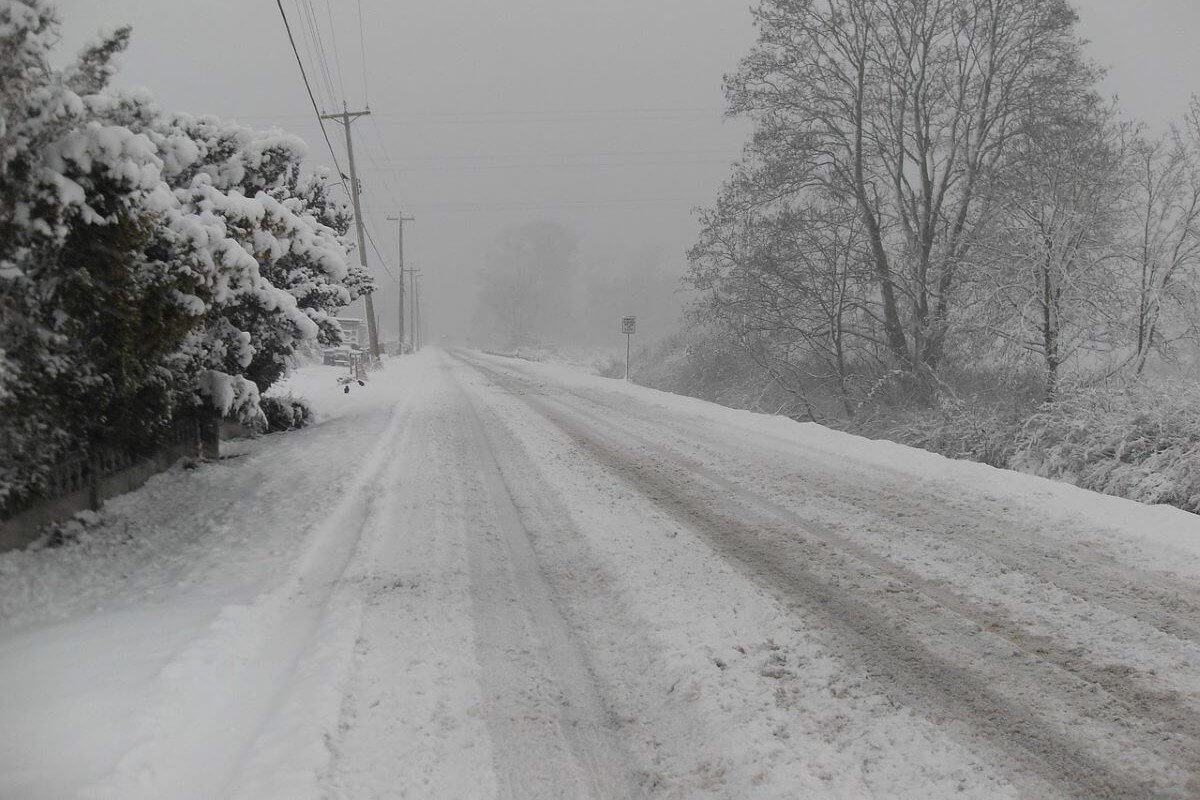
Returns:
<point x="480" y="577"/>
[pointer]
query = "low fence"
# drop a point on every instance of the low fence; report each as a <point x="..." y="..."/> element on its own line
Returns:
<point x="79" y="483"/>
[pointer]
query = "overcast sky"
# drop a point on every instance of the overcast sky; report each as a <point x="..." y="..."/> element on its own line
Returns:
<point x="605" y="115"/>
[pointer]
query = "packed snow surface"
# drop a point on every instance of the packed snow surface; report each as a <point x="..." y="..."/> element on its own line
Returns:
<point x="480" y="577"/>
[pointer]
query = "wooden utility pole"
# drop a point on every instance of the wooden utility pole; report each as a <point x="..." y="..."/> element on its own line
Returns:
<point x="414" y="308"/>
<point x="400" y="220"/>
<point x="345" y="118"/>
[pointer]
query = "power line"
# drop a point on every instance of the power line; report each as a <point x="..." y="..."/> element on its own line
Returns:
<point x="382" y="171"/>
<point x="311" y="97"/>
<point x="313" y="29"/>
<point x="368" y="147"/>
<point x="345" y="117"/>
<point x="310" y="50"/>
<point x="567" y="154"/>
<point x="337" y="58"/>
<point x="310" y="47"/>
<point x="562" y="205"/>
<point x="614" y="111"/>
<point x="531" y="165"/>
<point x="552" y="115"/>
<point x="378" y="255"/>
<point x="362" y="52"/>
<point x="366" y="188"/>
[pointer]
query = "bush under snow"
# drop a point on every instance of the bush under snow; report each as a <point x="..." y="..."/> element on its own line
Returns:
<point x="1138" y="441"/>
<point x="1142" y="443"/>
<point x="286" y="412"/>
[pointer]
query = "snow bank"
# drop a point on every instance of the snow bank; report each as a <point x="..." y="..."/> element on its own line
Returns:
<point x="156" y="642"/>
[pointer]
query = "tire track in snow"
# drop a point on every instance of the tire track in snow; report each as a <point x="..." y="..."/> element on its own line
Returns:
<point x="818" y="577"/>
<point x="1157" y="600"/>
<point x="543" y="693"/>
<point x="293" y="748"/>
<point x="1164" y="699"/>
<point x="712" y="677"/>
<point x="833" y="587"/>
<point x="240" y="669"/>
<point x="410" y="724"/>
<point x="1165" y="712"/>
<point x="1167" y="604"/>
<point x="1140" y="691"/>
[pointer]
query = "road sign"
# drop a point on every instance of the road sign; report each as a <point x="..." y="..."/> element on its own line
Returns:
<point x="629" y="328"/>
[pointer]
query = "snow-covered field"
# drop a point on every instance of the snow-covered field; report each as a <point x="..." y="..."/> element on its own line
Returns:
<point x="482" y="577"/>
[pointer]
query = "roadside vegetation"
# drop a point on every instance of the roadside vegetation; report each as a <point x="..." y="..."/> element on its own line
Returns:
<point x="153" y="265"/>
<point x="943" y="234"/>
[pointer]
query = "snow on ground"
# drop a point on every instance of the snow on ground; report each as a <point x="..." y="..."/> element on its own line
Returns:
<point x="1173" y="535"/>
<point x="590" y="359"/>
<point x="157" y="620"/>
<point x="753" y="703"/>
<point x="482" y="577"/>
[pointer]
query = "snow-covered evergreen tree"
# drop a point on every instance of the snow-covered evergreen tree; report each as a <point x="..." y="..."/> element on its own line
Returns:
<point x="150" y="263"/>
<point x="90" y="321"/>
<point x="252" y="182"/>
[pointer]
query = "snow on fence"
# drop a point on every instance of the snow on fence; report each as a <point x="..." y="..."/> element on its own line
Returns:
<point x="81" y="482"/>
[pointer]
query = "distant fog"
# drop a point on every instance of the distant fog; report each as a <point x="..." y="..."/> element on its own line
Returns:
<point x="537" y="287"/>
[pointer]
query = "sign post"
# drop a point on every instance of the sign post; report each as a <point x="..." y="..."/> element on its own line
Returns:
<point x="629" y="328"/>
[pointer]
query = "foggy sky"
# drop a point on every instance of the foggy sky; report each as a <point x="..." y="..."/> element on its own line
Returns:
<point x="603" y="115"/>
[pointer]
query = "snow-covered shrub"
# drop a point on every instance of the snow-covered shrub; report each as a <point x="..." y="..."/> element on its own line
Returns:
<point x="609" y="366"/>
<point x="1137" y="441"/>
<point x="286" y="412"/>
<point x="973" y="430"/>
<point x="700" y="362"/>
<point x="1141" y="442"/>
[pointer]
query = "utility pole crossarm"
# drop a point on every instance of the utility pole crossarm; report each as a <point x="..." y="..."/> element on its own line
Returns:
<point x="346" y="116"/>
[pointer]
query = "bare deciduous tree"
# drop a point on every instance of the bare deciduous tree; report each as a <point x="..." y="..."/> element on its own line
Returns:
<point x="1051" y="257"/>
<point x="792" y="284"/>
<point x="904" y="108"/>
<point x="1165" y="251"/>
